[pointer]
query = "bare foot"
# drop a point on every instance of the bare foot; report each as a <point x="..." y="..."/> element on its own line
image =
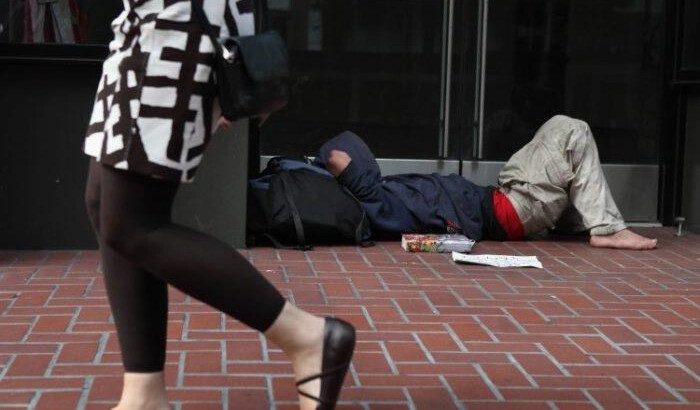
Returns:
<point x="624" y="239"/>
<point x="222" y="123"/>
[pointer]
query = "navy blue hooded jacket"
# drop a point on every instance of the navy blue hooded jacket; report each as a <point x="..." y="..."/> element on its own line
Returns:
<point x="413" y="203"/>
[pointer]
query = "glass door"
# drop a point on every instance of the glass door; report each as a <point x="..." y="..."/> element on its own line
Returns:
<point x="596" y="60"/>
<point x="374" y="67"/>
<point x="460" y="85"/>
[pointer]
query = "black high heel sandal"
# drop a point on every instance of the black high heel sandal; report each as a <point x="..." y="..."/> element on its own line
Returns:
<point x="338" y="347"/>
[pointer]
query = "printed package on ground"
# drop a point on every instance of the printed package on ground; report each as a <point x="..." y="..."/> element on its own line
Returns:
<point x="436" y="243"/>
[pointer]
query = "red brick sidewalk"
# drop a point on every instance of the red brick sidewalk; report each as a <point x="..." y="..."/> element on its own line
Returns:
<point x="594" y="329"/>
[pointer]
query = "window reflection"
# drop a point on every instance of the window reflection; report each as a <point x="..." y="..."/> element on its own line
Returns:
<point x="598" y="60"/>
<point x="370" y="66"/>
<point x="57" y="21"/>
<point x="374" y="67"/>
<point x="691" y="36"/>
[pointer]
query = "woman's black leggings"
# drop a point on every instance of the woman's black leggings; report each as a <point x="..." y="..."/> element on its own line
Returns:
<point x="142" y="251"/>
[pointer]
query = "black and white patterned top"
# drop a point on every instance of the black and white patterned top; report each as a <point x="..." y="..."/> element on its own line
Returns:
<point x="156" y="100"/>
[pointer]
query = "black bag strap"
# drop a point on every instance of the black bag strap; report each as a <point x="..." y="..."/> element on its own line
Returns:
<point x="358" y="229"/>
<point x="276" y="243"/>
<point x="298" y="226"/>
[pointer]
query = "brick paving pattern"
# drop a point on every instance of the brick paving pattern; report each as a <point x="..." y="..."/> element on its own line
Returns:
<point x="598" y="329"/>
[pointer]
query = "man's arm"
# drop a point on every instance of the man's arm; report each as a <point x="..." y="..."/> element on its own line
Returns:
<point x="384" y="208"/>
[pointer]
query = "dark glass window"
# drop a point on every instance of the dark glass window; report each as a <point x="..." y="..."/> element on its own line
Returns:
<point x="463" y="78"/>
<point x="57" y="21"/>
<point x="598" y="60"/>
<point x="691" y="36"/>
<point x="369" y="66"/>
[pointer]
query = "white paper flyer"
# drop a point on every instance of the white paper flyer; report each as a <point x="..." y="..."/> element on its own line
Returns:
<point x="500" y="261"/>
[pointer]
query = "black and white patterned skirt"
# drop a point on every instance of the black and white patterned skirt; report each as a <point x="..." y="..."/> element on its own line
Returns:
<point x="155" y="102"/>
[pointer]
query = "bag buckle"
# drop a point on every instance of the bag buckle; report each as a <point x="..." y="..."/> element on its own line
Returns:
<point x="228" y="55"/>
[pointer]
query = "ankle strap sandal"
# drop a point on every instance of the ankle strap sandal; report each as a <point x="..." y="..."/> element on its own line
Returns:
<point x="338" y="347"/>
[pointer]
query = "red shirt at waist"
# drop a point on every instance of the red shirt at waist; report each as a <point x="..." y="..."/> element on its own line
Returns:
<point x="505" y="213"/>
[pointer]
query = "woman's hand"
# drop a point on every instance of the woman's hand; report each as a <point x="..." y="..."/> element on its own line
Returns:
<point x="262" y="118"/>
<point x="223" y="123"/>
<point x="226" y="124"/>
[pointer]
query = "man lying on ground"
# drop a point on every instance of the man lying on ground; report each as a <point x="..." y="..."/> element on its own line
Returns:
<point x="555" y="181"/>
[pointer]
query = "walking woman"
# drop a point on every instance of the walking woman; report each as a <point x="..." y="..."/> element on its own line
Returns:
<point x="153" y="116"/>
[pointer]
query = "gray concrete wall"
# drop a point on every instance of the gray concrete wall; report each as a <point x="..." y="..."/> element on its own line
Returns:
<point x="44" y="111"/>
<point x="691" y="178"/>
<point x="215" y="203"/>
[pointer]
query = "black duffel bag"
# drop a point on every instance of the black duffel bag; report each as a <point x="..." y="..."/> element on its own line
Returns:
<point x="297" y="205"/>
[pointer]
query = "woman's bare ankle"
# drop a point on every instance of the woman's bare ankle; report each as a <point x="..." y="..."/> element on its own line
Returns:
<point x="300" y="335"/>
<point x="142" y="405"/>
<point x="143" y="391"/>
<point x="296" y="331"/>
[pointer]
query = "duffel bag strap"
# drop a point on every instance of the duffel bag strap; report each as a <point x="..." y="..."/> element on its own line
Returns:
<point x="296" y="217"/>
<point x="277" y="244"/>
<point x="359" y="231"/>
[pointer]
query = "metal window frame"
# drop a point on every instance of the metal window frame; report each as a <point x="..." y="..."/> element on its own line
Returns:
<point x="53" y="53"/>
<point x="679" y="83"/>
<point x="681" y="76"/>
<point x="446" y="79"/>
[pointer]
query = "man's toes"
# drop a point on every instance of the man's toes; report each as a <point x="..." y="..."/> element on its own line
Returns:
<point x="646" y="243"/>
<point x="651" y="244"/>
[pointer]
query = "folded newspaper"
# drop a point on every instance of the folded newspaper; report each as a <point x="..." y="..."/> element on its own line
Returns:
<point x="436" y="243"/>
<point x="501" y="261"/>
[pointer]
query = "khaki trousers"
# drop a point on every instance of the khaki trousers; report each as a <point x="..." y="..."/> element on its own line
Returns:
<point x="556" y="180"/>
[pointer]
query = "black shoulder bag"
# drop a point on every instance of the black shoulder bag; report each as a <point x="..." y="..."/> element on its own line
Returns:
<point x="251" y="71"/>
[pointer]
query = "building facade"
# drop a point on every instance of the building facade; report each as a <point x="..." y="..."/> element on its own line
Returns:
<point x="431" y="85"/>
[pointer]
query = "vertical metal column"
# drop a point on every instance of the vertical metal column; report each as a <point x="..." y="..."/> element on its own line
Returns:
<point x="446" y="79"/>
<point x="480" y="94"/>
